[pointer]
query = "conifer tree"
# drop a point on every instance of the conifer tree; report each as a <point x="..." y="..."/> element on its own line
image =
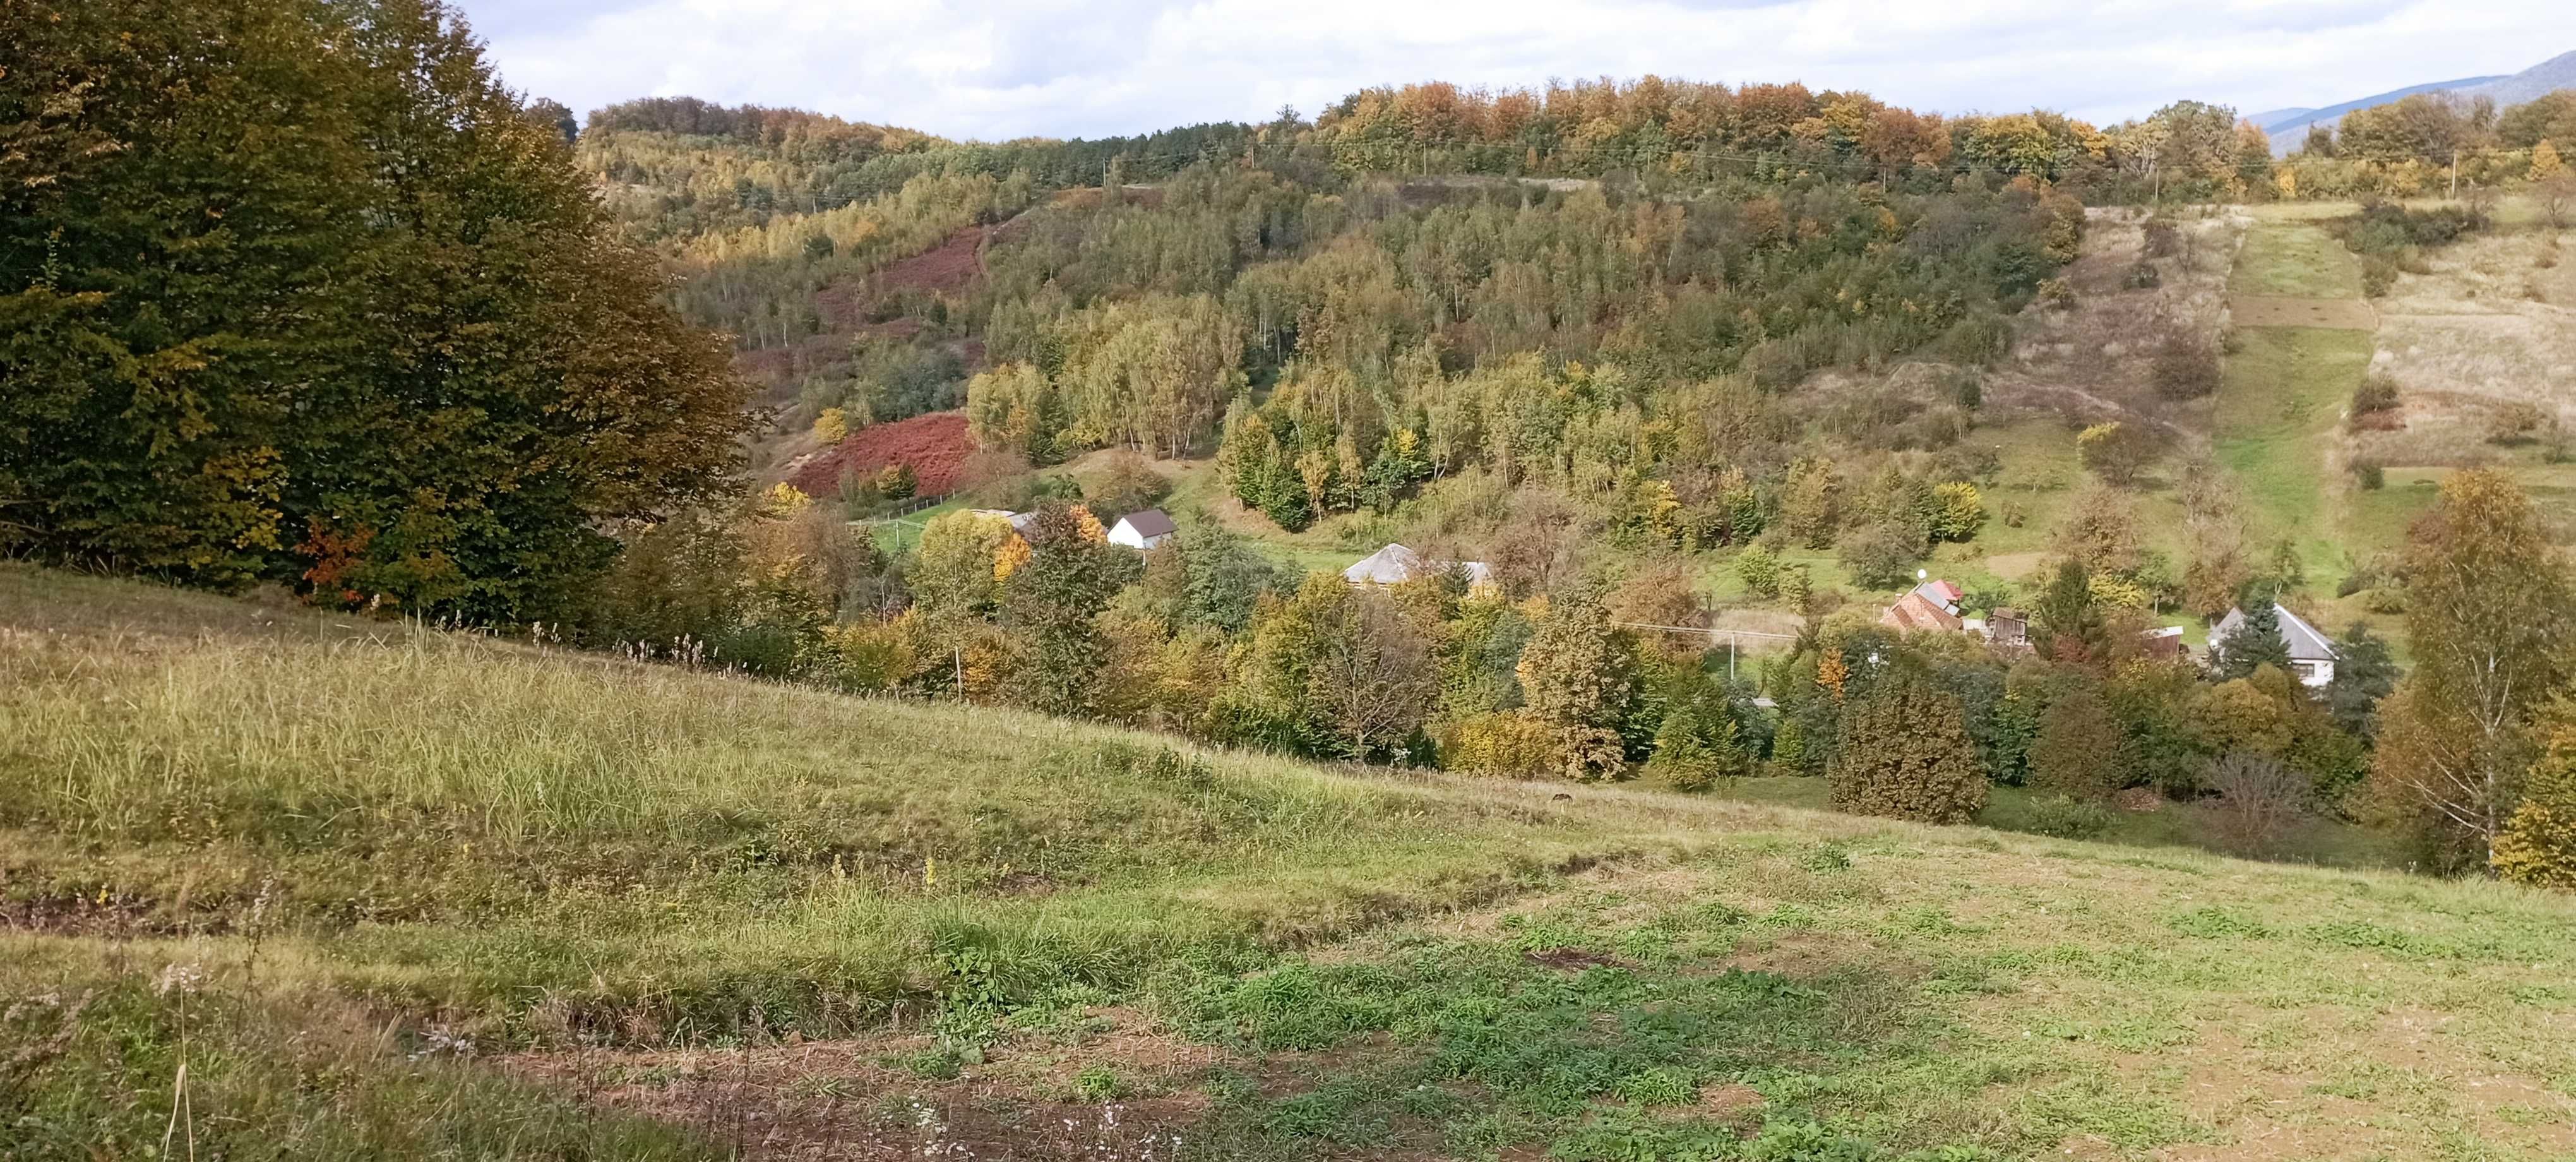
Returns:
<point x="2077" y="750"/>
<point x="2256" y="641"/>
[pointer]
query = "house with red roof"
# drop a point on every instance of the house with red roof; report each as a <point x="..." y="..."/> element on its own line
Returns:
<point x="1932" y="606"/>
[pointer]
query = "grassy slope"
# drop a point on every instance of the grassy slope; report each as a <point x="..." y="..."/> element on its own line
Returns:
<point x="2285" y="389"/>
<point x="368" y="838"/>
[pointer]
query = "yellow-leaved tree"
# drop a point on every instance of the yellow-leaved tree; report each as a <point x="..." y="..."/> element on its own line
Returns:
<point x="2488" y="596"/>
<point x="832" y="426"/>
<point x="2538" y="845"/>
<point x="2545" y="162"/>
<point x="783" y="500"/>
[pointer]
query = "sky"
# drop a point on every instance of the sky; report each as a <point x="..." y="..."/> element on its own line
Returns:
<point x="1062" y="68"/>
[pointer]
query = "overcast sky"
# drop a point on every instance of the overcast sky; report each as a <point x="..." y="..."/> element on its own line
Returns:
<point x="1009" y="68"/>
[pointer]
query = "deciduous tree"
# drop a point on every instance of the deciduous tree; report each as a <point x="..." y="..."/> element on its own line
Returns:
<point x="2490" y="619"/>
<point x="1905" y="753"/>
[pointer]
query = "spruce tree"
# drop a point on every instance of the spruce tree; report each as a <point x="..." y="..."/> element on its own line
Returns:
<point x="2256" y="641"/>
<point x="2364" y="673"/>
<point x="2077" y="750"/>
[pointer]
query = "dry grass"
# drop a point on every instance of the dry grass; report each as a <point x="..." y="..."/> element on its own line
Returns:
<point x="2092" y="362"/>
<point x="361" y="856"/>
<point x="2487" y="325"/>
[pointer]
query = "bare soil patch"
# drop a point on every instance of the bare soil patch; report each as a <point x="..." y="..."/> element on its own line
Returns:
<point x="1571" y="960"/>
<point x="2283" y="311"/>
<point x="852" y="1100"/>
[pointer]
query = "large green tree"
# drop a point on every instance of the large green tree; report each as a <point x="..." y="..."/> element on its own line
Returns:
<point x="295" y="289"/>
<point x="1050" y="602"/>
<point x="1905" y="753"/>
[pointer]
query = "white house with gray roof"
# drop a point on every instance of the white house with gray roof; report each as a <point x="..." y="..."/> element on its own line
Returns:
<point x="2312" y="654"/>
<point x="1142" y="530"/>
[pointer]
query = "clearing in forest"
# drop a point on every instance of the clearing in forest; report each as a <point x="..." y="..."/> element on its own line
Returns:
<point x="2298" y="354"/>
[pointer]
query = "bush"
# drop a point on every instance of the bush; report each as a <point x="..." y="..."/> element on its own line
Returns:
<point x="2162" y="238"/>
<point x="1129" y="486"/>
<point x="1694" y="748"/>
<point x="2538" y="845"/>
<point x="2076" y="751"/>
<point x="2186" y="367"/>
<point x="2376" y="393"/>
<point x="1975" y="341"/>
<point x="2143" y="276"/>
<point x="2378" y="273"/>
<point x="2057" y="294"/>
<point x="2067" y="818"/>
<point x="2258" y="800"/>
<point x="1962" y="511"/>
<point x="2370" y="475"/>
<point x="1795" y="586"/>
<point x="2515" y="423"/>
<point x="2117" y="451"/>
<point x="1509" y="743"/>
<point x="1905" y="753"/>
<point x="1883" y="555"/>
<point x="1760" y="571"/>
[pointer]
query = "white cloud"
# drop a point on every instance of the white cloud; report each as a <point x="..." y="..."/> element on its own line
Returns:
<point x="1010" y="68"/>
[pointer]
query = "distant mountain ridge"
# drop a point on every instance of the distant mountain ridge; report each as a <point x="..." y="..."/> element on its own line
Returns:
<point x="2288" y="127"/>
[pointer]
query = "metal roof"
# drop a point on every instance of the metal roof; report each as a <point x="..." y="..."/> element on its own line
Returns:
<point x="1395" y="564"/>
<point x="2306" y="644"/>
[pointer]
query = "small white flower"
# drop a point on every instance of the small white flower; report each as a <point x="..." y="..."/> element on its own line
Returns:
<point x="184" y="978"/>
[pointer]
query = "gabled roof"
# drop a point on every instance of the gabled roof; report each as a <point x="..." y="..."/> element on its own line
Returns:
<point x="1395" y="564"/>
<point x="1917" y="611"/>
<point x="1943" y="595"/>
<point x="1152" y="522"/>
<point x="2306" y="644"/>
<point x="1391" y="565"/>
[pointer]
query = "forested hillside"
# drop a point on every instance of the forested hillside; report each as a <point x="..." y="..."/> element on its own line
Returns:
<point x="1628" y="346"/>
<point x="777" y="635"/>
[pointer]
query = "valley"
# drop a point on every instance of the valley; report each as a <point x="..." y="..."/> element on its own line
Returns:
<point x="1628" y="619"/>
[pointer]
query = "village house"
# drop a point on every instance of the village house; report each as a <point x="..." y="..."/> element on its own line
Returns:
<point x="2312" y="654"/>
<point x="1142" y="530"/>
<point x="1395" y="565"/>
<point x="1932" y="606"/>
